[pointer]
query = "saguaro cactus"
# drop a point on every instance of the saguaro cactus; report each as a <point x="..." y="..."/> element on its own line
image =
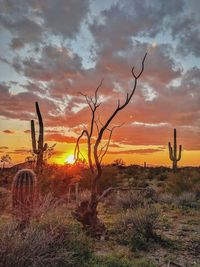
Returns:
<point x="174" y="157"/>
<point x="38" y="150"/>
<point x="24" y="192"/>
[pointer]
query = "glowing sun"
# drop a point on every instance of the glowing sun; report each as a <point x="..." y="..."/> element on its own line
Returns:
<point x="70" y="159"/>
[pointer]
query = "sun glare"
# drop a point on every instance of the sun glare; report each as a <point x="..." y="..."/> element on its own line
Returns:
<point x="70" y="159"/>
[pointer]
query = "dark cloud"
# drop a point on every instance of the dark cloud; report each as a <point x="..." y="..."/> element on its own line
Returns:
<point x="21" y="151"/>
<point x="64" y="17"/>
<point x="131" y="18"/>
<point x="21" y="106"/>
<point x="185" y="31"/>
<point x="4" y="147"/>
<point x="8" y="132"/>
<point x="29" y="21"/>
<point x="55" y="63"/>
<point x="61" y="138"/>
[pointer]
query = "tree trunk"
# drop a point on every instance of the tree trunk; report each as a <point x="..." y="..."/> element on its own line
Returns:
<point x="86" y="213"/>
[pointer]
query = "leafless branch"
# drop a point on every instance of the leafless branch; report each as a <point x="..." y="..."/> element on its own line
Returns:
<point x="108" y="143"/>
<point x="77" y="147"/>
<point x="105" y="193"/>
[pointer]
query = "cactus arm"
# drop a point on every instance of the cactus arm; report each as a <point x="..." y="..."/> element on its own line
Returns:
<point x="41" y="128"/>
<point x="38" y="147"/>
<point x="170" y="152"/>
<point x="180" y="150"/>
<point x="33" y="137"/>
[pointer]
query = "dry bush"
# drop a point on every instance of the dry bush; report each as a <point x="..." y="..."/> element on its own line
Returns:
<point x="186" y="199"/>
<point x="183" y="181"/>
<point x="51" y="241"/>
<point x="4" y="199"/>
<point x="166" y="198"/>
<point x="32" y="248"/>
<point x="138" y="227"/>
<point x="45" y="204"/>
<point x="129" y="200"/>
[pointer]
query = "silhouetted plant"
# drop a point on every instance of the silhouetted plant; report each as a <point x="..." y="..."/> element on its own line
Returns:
<point x="5" y="159"/>
<point x="118" y="163"/>
<point x="41" y="148"/>
<point x="24" y="191"/>
<point x="173" y="152"/>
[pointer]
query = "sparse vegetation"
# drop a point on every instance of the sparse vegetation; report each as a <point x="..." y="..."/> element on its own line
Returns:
<point x="138" y="220"/>
<point x="52" y="241"/>
<point x="139" y="227"/>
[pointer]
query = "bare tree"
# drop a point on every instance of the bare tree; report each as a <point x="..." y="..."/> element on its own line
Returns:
<point x="86" y="211"/>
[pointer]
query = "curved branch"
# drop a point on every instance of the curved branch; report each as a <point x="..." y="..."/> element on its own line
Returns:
<point x="108" y="143"/>
<point x="77" y="148"/>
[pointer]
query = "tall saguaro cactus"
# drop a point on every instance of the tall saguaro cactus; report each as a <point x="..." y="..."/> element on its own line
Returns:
<point x="173" y="155"/>
<point x="24" y="192"/>
<point x="41" y="147"/>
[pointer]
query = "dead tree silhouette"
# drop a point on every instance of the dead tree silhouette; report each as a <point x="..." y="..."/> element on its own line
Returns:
<point x="86" y="211"/>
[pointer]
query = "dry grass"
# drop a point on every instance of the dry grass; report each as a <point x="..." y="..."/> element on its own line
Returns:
<point x="50" y="240"/>
<point x="129" y="200"/>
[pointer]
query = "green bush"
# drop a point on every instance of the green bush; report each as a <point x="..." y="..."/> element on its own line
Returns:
<point x="138" y="227"/>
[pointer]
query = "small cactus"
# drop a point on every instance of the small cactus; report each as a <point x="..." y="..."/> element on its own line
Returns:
<point x="173" y="152"/>
<point x="24" y="191"/>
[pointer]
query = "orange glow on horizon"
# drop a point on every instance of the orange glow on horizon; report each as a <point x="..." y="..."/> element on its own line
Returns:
<point x="70" y="159"/>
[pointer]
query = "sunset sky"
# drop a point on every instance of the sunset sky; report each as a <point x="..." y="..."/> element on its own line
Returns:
<point x="53" y="49"/>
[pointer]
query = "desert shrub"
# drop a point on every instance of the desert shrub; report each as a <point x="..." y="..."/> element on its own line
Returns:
<point x="4" y="199"/>
<point x="116" y="261"/>
<point x="129" y="200"/>
<point x="196" y="190"/>
<point x="52" y="241"/>
<point x="138" y="227"/>
<point x="183" y="181"/>
<point x="162" y="177"/>
<point x="166" y="198"/>
<point x="186" y="199"/>
<point x="150" y="194"/>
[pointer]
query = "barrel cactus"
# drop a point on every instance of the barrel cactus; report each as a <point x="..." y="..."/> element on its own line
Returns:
<point x="24" y="191"/>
